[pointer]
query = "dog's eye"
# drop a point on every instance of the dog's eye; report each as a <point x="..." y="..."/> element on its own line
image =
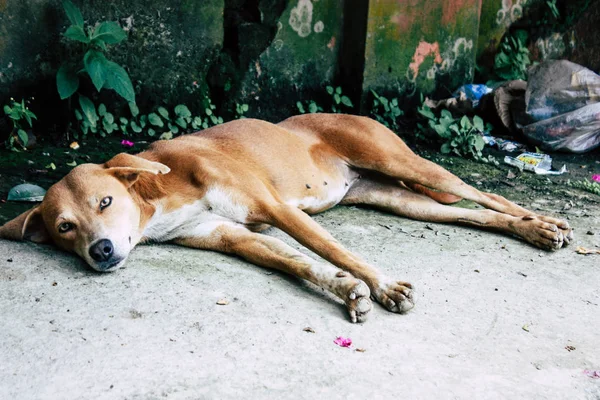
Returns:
<point x="105" y="202"/>
<point x="65" y="227"/>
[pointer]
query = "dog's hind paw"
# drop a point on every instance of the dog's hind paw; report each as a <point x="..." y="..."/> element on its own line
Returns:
<point x="358" y="302"/>
<point x="547" y="233"/>
<point x="563" y="227"/>
<point x="396" y="296"/>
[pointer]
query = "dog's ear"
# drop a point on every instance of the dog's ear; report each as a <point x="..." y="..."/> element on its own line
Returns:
<point x="27" y="226"/>
<point x="127" y="168"/>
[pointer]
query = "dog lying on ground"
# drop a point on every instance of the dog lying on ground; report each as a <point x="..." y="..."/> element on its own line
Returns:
<point x="217" y="189"/>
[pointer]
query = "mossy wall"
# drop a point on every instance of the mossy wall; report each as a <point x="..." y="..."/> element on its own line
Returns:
<point x="169" y="50"/>
<point x="300" y="60"/>
<point x="420" y="46"/>
<point x="566" y="32"/>
<point x="269" y="53"/>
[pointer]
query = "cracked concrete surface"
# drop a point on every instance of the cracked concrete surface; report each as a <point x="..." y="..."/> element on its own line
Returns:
<point x="494" y="319"/>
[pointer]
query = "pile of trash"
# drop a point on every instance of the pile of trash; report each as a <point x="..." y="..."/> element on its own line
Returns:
<point x="557" y="109"/>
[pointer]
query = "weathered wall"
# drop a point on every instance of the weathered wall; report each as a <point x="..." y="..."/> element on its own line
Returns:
<point x="569" y="35"/>
<point x="496" y="18"/>
<point x="271" y="53"/>
<point x="254" y="51"/>
<point x="300" y="60"/>
<point x="168" y="51"/>
<point x="420" y="46"/>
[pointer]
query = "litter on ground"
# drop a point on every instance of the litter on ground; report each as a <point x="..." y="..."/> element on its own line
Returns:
<point x="342" y="341"/>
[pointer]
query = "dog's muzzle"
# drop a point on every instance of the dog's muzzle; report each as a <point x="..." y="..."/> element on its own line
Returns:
<point x="102" y="252"/>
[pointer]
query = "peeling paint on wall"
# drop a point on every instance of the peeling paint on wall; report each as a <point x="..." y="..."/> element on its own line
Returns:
<point x="510" y="12"/>
<point x="552" y="47"/>
<point x="319" y="26"/>
<point x="422" y="51"/>
<point x="301" y="18"/>
<point x="445" y="61"/>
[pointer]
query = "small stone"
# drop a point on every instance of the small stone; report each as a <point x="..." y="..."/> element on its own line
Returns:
<point x="309" y="329"/>
<point x="308" y="186"/>
<point x="324" y="183"/>
<point x="588" y="232"/>
<point x="223" y="302"/>
<point x="361" y="350"/>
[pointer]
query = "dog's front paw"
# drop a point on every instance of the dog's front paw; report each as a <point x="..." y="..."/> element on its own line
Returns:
<point x="358" y="302"/>
<point x="396" y="296"/>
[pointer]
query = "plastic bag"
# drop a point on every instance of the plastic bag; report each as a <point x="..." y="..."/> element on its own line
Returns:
<point x="473" y="92"/>
<point x="563" y="101"/>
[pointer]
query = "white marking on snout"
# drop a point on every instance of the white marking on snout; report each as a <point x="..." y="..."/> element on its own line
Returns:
<point x="197" y="219"/>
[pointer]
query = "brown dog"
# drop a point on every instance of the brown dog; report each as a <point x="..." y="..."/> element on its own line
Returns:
<point x="216" y="189"/>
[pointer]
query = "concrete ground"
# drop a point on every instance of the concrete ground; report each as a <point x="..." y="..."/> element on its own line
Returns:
<point x="495" y="319"/>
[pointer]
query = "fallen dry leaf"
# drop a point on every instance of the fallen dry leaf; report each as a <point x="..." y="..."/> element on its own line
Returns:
<point x="223" y="302"/>
<point x="583" y="250"/>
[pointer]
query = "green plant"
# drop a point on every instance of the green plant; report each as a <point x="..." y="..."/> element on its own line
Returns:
<point x="338" y="100"/>
<point x="240" y="110"/>
<point x="553" y="8"/>
<point x="99" y="120"/>
<point x="104" y="74"/>
<point x="386" y="111"/>
<point x="211" y="118"/>
<point x="591" y="187"/>
<point x="461" y="136"/>
<point x="311" y="106"/>
<point x="512" y="60"/>
<point x="21" y="116"/>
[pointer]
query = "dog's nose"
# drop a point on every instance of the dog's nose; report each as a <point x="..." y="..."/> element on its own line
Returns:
<point x="102" y="250"/>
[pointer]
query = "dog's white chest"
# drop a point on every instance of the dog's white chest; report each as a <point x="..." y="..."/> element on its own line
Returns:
<point x="197" y="219"/>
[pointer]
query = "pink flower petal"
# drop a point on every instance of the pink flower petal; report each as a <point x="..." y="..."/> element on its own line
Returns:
<point x="342" y="341"/>
<point x="596" y="178"/>
<point x="127" y="143"/>
<point x="592" y="374"/>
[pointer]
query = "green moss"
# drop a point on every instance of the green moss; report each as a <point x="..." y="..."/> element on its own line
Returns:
<point x="423" y="47"/>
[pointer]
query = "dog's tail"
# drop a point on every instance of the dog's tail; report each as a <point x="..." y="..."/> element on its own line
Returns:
<point x="440" y="197"/>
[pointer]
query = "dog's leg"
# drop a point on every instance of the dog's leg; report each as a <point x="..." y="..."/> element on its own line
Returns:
<point x="391" y="197"/>
<point x="396" y="296"/>
<point x="367" y="144"/>
<point x="433" y="176"/>
<point x="270" y="252"/>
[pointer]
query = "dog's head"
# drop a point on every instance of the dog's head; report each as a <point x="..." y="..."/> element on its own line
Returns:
<point x="92" y="212"/>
